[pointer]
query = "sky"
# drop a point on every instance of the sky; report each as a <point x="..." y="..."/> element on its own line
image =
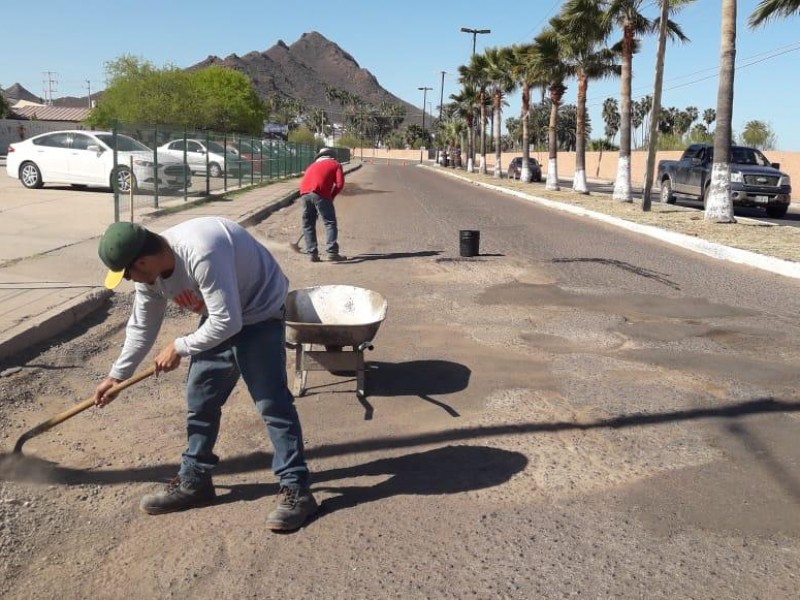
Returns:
<point x="404" y="45"/>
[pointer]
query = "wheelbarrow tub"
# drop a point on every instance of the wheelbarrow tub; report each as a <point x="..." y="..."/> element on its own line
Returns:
<point x="333" y="315"/>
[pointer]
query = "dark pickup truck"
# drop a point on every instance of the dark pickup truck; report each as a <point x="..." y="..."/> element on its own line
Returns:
<point x="754" y="180"/>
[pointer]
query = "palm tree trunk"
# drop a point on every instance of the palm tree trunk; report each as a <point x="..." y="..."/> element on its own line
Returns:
<point x="579" y="179"/>
<point x="525" y="174"/>
<point x="552" y="163"/>
<point x="719" y="206"/>
<point x="470" y="143"/>
<point x="497" y="114"/>
<point x="652" y="136"/>
<point x="482" y="166"/>
<point x="622" y="185"/>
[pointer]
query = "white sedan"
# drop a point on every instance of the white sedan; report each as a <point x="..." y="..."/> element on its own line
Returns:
<point x="83" y="158"/>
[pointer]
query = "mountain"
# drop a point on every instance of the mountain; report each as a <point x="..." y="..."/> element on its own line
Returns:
<point x="17" y="92"/>
<point x="304" y="70"/>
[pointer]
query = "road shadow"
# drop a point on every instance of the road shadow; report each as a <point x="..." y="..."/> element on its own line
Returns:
<point x="641" y="271"/>
<point x="359" y="258"/>
<point x="353" y="189"/>
<point x="22" y="468"/>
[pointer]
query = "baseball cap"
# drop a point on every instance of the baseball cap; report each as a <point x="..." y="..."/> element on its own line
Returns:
<point x="119" y="247"/>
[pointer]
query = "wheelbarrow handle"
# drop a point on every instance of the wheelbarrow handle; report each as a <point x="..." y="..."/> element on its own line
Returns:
<point x="78" y="408"/>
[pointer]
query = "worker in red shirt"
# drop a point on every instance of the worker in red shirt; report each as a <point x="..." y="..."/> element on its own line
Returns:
<point x="323" y="180"/>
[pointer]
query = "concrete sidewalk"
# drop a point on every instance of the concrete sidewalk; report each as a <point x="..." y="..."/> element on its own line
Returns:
<point x="43" y="295"/>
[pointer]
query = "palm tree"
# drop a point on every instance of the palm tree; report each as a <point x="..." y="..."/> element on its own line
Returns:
<point x="709" y="116"/>
<point x="523" y="69"/>
<point x="474" y="75"/>
<point x="626" y="14"/>
<point x="549" y="62"/>
<point x="772" y="9"/>
<point x="719" y="205"/>
<point x="466" y="103"/>
<point x="581" y="35"/>
<point x="501" y="82"/>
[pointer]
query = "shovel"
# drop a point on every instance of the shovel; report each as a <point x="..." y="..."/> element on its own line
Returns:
<point x="296" y="245"/>
<point x="69" y="413"/>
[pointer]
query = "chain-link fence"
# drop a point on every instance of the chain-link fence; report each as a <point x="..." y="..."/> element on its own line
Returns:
<point x="157" y="163"/>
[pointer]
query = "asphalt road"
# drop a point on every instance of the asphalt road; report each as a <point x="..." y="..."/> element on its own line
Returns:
<point x="576" y="411"/>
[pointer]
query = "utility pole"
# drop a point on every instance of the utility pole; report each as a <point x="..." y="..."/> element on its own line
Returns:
<point x="50" y="85"/>
<point x="89" y="88"/>
<point x="441" y="97"/>
<point x="424" y="99"/>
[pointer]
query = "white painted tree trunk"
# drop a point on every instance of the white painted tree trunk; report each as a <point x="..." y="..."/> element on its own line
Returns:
<point x="719" y="206"/>
<point x="579" y="182"/>
<point x="482" y="164"/>
<point x="470" y="166"/>
<point x="622" y="185"/>
<point x="552" y="175"/>
<point x="525" y="173"/>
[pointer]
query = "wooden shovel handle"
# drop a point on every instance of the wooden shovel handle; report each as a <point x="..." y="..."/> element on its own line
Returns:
<point x="71" y="412"/>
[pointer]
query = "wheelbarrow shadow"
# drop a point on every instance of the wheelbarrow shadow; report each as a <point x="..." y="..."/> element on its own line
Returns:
<point x="421" y="378"/>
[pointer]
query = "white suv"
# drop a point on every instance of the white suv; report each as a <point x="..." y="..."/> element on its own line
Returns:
<point x="83" y="158"/>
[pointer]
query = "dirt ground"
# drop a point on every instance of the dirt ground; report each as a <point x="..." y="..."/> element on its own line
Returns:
<point x="526" y="435"/>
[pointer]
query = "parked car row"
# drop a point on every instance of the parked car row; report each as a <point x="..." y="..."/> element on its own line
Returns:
<point x="83" y="158"/>
<point x="86" y="158"/>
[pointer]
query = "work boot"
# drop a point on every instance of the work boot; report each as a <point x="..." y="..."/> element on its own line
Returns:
<point x="314" y="257"/>
<point x="336" y="258"/>
<point x="178" y="496"/>
<point x="295" y="506"/>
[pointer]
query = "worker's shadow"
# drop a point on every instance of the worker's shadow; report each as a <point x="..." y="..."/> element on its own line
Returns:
<point x="358" y="258"/>
<point x="421" y="378"/>
<point x="447" y="470"/>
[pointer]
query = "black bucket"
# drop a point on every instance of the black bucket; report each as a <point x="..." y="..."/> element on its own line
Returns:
<point x="470" y="241"/>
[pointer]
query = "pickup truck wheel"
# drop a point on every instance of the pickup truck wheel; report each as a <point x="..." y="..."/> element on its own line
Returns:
<point x="777" y="212"/>
<point x="667" y="197"/>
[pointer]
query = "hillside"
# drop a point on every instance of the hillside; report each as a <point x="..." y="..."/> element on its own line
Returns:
<point x="303" y="70"/>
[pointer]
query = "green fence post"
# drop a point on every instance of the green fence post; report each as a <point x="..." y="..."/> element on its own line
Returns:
<point x="208" y="175"/>
<point x="155" y="167"/>
<point x="114" y="185"/>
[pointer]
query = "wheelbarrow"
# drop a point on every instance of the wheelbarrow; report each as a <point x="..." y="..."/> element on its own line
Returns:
<point x="330" y="327"/>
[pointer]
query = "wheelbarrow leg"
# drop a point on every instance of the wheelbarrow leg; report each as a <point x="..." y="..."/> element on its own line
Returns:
<point x="300" y="373"/>
<point x="361" y="384"/>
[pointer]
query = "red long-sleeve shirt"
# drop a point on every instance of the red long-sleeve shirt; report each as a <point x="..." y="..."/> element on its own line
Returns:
<point x="323" y="177"/>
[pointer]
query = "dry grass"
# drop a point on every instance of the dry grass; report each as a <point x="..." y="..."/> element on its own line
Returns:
<point x="746" y="234"/>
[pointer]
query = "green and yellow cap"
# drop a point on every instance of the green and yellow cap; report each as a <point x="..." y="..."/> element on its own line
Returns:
<point x="119" y="247"/>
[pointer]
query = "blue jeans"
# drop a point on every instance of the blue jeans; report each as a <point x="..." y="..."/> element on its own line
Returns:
<point x="258" y="354"/>
<point x="314" y="204"/>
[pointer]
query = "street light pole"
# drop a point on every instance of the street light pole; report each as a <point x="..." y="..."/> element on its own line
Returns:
<point x="475" y="33"/>
<point x="424" y="99"/>
<point x="470" y="159"/>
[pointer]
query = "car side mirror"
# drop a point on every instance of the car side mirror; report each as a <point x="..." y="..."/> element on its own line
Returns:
<point x="776" y="166"/>
<point x="697" y="161"/>
<point x="95" y="148"/>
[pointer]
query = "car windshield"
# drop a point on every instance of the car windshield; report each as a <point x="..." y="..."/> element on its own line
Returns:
<point x="744" y="156"/>
<point x="748" y="156"/>
<point x="124" y="143"/>
<point x="216" y="148"/>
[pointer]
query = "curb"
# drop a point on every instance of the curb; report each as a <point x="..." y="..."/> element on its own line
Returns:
<point x="688" y="242"/>
<point x="53" y="322"/>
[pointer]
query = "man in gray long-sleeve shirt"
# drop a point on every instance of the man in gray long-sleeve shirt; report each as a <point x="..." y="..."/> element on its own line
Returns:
<point x="215" y="268"/>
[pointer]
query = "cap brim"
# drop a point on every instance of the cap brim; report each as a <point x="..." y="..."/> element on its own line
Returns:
<point x="114" y="278"/>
